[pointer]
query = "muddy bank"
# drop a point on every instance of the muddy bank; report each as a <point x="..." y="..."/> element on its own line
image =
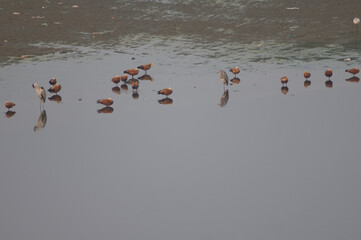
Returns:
<point x="278" y="25"/>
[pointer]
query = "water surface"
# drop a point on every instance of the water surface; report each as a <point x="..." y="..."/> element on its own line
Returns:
<point x="262" y="164"/>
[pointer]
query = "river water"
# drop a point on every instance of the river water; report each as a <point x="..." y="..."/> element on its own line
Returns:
<point x="251" y="160"/>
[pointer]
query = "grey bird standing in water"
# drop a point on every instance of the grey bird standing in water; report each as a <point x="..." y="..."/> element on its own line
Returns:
<point x="40" y="91"/>
<point x="224" y="77"/>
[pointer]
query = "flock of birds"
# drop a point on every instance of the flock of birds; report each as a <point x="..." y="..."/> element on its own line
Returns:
<point x="284" y="80"/>
<point x="107" y="102"/>
<point x="134" y="82"/>
<point x="56" y="87"/>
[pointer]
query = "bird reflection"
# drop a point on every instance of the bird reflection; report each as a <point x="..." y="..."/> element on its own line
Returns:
<point x="166" y="101"/>
<point x="236" y="80"/>
<point x="124" y="87"/>
<point x="41" y="121"/>
<point x="105" y="110"/>
<point x="307" y="83"/>
<point x="224" y="98"/>
<point x="135" y="94"/>
<point x="353" y="79"/>
<point x="55" y="98"/>
<point x="284" y="89"/>
<point x="116" y="90"/>
<point x="146" y="77"/>
<point x="329" y="84"/>
<point x="9" y="114"/>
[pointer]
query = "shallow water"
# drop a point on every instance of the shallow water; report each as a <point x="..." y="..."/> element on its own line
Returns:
<point x="254" y="163"/>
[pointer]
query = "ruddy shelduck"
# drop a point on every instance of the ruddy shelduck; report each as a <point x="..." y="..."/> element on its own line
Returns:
<point x="106" y="102"/>
<point x="132" y="72"/>
<point x="235" y="70"/>
<point x="307" y="75"/>
<point x="116" y="79"/>
<point x="52" y="81"/>
<point x="166" y="91"/>
<point x="9" y="104"/>
<point x="328" y="73"/>
<point x="135" y="84"/>
<point x="124" y="77"/>
<point x="146" y="67"/>
<point x="55" y="89"/>
<point x="284" y="80"/>
<point x="353" y="71"/>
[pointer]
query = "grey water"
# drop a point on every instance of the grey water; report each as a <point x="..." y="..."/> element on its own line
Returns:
<point x="253" y="161"/>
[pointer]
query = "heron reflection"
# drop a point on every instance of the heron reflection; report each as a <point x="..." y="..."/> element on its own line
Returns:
<point x="41" y="121"/>
<point x="224" y="98"/>
<point x="166" y="101"/>
<point x="55" y="98"/>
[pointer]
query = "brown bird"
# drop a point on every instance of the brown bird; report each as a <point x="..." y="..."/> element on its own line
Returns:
<point x="55" y="89"/>
<point x="234" y="70"/>
<point x="328" y="73"/>
<point x="9" y="105"/>
<point x="52" y="81"/>
<point x="105" y="110"/>
<point x="284" y="80"/>
<point x="135" y="84"/>
<point x="132" y="72"/>
<point x="166" y="91"/>
<point x="124" y="78"/>
<point x="106" y="102"/>
<point x="146" y="67"/>
<point x="55" y="98"/>
<point x="307" y="75"/>
<point x="353" y="70"/>
<point x="116" y="79"/>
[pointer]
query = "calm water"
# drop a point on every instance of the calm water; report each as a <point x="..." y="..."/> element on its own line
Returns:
<point x="264" y="165"/>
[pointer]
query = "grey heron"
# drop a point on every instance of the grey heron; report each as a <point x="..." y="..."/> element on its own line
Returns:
<point x="40" y="91"/>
